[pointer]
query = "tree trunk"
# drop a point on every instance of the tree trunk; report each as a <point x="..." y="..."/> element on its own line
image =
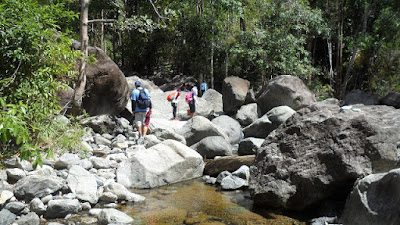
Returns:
<point x="212" y="66"/>
<point x="355" y="50"/>
<point x="339" y="50"/>
<point x="80" y="86"/>
<point x="102" y="31"/>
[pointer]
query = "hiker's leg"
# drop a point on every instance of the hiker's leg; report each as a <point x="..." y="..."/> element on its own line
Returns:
<point x="145" y="130"/>
<point x="174" y="110"/>
<point x="139" y="117"/>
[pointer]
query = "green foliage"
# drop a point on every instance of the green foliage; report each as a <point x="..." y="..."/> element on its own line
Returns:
<point x="276" y="43"/>
<point x="36" y="57"/>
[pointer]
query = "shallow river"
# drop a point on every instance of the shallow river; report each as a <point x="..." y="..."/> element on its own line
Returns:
<point x="194" y="202"/>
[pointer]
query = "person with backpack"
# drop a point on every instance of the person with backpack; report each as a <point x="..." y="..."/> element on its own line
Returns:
<point x="191" y="100"/>
<point x="173" y="98"/>
<point x="140" y="106"/>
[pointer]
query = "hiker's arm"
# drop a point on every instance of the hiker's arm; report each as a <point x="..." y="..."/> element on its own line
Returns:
<point x="133" y="105"/>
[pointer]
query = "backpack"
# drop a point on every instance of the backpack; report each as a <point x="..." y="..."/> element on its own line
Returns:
<point x="171" y="96"/>
<point x="189" y="97"/>
<point x="143" y="101"/>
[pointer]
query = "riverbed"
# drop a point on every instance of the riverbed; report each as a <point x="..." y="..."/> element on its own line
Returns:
<point x="195" y="202"/>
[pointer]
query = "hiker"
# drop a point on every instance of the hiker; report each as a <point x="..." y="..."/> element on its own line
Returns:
<point x="191" y="100"/>
<point x="140" y="106"/>
<point x="146" y="127"/>
<point x="203" y="89"/>
<point x="173" y="98"/>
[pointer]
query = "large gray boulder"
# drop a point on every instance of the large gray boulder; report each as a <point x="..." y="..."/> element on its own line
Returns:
<point x="230" y="126"/>
<point x="234" y="92"/>
<point x="198" y="128"/>
<point x="374" y="200"/>
<point x="269" y="122"/>
<point x="285" y="90"/>
<point x="321" y="150"/>
<point x="83" y="184"/>
<point x="164" y="163"/>
<point x="37" y="186"/>
<point x="247" y="114"/>
<point x="360" y="97"/>
<point x="214" y="98"/>
<point x="106" y="90"/>
<point x="210" y="147"/>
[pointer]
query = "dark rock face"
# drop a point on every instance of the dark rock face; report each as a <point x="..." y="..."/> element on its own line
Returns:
<point x="374" y="200"/>
<point x="234" y="92"/>
<point x="392" y="99"/>
<point x="106" y="90"/>
<point x="321" y="150"/>
<point x="360" y="97"/>
<point x="285" y="90"/>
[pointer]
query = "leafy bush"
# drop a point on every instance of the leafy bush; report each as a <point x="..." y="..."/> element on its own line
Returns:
<point x="35" y="55"/>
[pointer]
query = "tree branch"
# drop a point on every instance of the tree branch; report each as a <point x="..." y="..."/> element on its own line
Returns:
<point x="155" y="9"/>
<point x="12" y="76"/>
<point x="102" y="21"/>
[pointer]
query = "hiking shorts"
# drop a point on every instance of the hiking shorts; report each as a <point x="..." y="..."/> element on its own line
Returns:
<point x="139" y="118"/>
<point x="192" y="107"/>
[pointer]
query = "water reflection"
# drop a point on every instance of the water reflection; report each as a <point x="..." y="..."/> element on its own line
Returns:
<point x="195" y="202"/>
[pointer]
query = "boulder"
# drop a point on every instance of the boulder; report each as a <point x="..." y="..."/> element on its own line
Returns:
<point x="236" y="180"/>
<point x="149" y="85"/>
<point x="163" y="134"/>
<point x="7" y="217"/>
<point x="198" y="128"/>
<point x="210" y="147"/>
<point x="101" y="124"/>
<point x="59" y="208"/>
<point x="227" y="163"/>
<point x="15" y="207"/>
<point x="360" y="97"/>
<point x="83" y="184"/>
<point x="391" y="99"/>
<point x="164" y="163"/>
<point x="214" y="98"/>
<point x="374" y="200"/>
<point x="66" y="160"/>
<point x="230" y="126"/>
<point x="285" y="90"/>
<point x="28" y="219"/>
<point x="321" y="150"/>
<point x="122" y="193"/>
<point x="269" y="122"/>
<point x="247" y="114"/>
<point x="113" y="216"/>
<point x="234" y="92"/>
<point x="249" y="146"/>
<point x="37" y="186"/>
<point x="106" y="90"/>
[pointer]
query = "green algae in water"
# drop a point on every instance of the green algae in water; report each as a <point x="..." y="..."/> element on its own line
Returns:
<point x="194" y="202"/>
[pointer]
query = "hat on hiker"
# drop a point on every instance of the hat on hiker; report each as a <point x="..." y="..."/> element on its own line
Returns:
<point x="137" y="83"/>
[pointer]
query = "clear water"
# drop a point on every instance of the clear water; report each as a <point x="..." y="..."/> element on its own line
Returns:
<point x="194" y="202"/>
